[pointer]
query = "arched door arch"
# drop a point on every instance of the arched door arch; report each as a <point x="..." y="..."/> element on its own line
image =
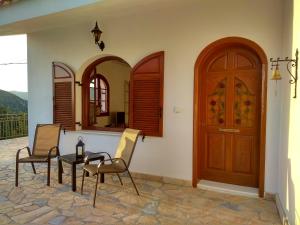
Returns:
<point x="202" y="60"/>
<point x="87" y="74"/>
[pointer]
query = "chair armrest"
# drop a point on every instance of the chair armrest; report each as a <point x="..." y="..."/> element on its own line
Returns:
<point x="112" y="160"/>
<point x="104" y="153"/>
<point x="86" y="159"/>
<point x="51" y="149"/>
<point x="19" y="151"/>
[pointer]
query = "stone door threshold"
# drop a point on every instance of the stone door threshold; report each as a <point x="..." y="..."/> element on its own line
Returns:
<point x="228" y="188"/>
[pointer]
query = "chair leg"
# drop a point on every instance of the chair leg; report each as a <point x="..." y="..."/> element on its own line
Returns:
<point x="33" y="168"/>
<point x="83" y="175"/>
<point x="133" y="183"/>
<point x="62" y="168"/>
<point x="17" y="173"/>
<point x="96" y="186"/>
<point x="59" y="163"/>
<point x="120" y="179"/>
<point x="48" y="172"/>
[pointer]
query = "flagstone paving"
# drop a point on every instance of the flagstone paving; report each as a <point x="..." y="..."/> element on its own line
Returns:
<point x="160" y="203"/>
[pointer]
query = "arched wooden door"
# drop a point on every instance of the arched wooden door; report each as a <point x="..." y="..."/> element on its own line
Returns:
<point x="230" y="106"/>
<point x="229" y="120"/>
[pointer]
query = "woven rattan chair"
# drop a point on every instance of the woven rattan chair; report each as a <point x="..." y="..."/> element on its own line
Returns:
<point x="119" y="164"/>
<point x="45" y="147"/>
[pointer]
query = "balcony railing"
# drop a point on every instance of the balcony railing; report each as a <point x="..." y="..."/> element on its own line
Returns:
<point x="13" y="125"/>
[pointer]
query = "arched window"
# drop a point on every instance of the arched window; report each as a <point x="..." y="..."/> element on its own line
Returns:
<point x="135" y="95"/>
<point x="99" y="97"/>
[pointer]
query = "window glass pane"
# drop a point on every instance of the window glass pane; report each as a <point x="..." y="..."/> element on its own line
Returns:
<point x="92" y="94"/>
<point x="92" y="90"/>
<point x="103" y="106"/>
<point x="103" y="96"/>
<point x="92" y="83"/>
<point x="102" y="84"/>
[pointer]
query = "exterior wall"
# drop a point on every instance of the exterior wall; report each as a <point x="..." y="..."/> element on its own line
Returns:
<point x="289" y="154"/>
<point x="182" y="32"/>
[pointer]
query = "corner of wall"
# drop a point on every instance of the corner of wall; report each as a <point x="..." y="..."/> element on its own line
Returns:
<point x="283" y="218"/>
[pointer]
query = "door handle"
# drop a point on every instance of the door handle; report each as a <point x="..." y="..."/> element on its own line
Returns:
<point x="229" y="130"/>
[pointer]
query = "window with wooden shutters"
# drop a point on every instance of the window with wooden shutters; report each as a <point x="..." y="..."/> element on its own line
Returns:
<point x="146" y="97"/>
<point x="63" y="96"/>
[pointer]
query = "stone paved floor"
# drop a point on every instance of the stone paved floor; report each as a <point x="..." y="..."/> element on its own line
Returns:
<point x="160" y="203"/>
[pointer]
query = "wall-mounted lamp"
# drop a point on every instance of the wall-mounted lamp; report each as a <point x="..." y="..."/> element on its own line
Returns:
<point x="97" y="34"/>
<point x="290" y="62"/>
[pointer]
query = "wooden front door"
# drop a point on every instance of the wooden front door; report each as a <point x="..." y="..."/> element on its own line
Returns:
<point x="229" y="109"/>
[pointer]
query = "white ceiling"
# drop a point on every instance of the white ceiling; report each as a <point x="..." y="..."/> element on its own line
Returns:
<point x="107" y="9"/>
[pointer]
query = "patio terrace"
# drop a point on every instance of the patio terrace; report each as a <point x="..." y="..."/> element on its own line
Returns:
<point x="160" y="203"/>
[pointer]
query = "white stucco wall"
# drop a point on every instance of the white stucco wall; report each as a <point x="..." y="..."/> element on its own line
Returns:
<point x="182" y="33"/>
<point x="289" y="154"/>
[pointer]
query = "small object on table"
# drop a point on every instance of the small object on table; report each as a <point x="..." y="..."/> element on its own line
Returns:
<point x="73" y="160"/>
<point x="80" y="153"/>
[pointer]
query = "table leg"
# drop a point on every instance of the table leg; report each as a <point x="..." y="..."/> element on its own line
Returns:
<point x="59" y="171"/>
<point x="102" y="174"/>
<point x="101" y="177"/>
<point x="74" y="177"/>
<point x="87" y="174"/>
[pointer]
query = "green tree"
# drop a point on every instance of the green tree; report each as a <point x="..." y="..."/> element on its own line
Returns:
<point x="4" y="110"/>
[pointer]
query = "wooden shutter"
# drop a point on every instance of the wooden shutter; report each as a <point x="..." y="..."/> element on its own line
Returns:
<point x="146" y="95"/>
<point x="63" y="96"/>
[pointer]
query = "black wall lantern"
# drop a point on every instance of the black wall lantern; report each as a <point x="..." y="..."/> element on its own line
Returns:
<point x="97" y="34"/>
<point x="80" y="152"/>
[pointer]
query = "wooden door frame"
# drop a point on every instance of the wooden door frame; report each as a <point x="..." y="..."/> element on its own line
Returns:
<point x="215" y="46"/>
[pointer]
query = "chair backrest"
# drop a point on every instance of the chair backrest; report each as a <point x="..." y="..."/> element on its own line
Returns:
<point x="127" y="145"/>
<point x="46" y="137"/>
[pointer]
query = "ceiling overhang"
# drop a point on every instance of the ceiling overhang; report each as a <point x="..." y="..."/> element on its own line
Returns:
<point x="88" y="13"/>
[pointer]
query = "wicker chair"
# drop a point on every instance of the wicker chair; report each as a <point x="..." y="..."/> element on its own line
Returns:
<point x="119" y="164"/>
<point x="45" y="147"/>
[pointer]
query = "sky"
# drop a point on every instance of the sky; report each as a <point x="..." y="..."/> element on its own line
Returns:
<point x="13" y="49"/>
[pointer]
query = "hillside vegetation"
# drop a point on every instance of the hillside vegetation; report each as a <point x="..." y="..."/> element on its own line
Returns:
<point x="10" y="103"/>
<point x="23" y="95"/>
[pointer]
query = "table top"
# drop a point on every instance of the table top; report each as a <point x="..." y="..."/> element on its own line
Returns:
<point x="71" y="158"/>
